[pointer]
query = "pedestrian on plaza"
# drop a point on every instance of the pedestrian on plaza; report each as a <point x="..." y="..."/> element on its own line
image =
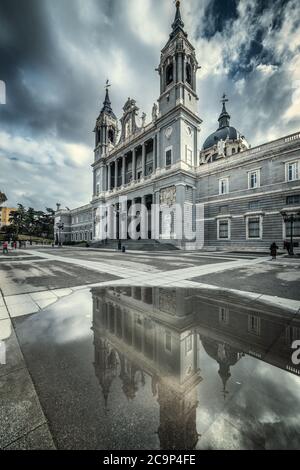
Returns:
<point x="273" y="250"/>
<point x="15" y="245"/>
<point x="5" y="248"/>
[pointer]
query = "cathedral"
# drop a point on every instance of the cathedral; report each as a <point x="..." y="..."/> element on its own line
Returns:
<point x="160" y="181"/>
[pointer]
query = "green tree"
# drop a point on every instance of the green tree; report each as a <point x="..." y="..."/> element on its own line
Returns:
<point x="17" y="219"/>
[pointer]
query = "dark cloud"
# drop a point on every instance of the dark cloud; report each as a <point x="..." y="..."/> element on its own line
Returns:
<point x="57" y="54"/>
<point x="217" y="15"/>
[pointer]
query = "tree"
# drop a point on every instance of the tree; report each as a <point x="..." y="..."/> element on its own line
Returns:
<point x="17" y="219"/>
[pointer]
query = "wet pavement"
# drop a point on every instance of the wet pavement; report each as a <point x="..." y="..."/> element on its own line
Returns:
<point x="282" y="280"/>
<point x="150" y="368"/>
<point x="19" y="278"/>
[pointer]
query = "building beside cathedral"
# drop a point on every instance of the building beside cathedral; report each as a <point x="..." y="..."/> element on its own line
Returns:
<point x="161" y="179"/>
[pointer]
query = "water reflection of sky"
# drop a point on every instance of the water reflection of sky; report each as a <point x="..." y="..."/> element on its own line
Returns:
<point x="95" y="399"/>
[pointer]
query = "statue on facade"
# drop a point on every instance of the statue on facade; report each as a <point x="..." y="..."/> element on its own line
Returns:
<point x="154" y="112"/>
<point x="144" y="115"/>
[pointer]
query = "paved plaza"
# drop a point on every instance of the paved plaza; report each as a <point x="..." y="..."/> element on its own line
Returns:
<point x="49" y="314"/>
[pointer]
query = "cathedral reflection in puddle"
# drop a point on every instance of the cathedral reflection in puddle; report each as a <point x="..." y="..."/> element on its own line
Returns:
<point x="155" y="368"/>
<point x="218" y="366"/>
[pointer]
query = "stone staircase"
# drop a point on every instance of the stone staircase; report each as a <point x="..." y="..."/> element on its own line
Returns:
<point x="136" y="245"/>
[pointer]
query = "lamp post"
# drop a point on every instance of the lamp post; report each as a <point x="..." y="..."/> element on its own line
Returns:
<point x="291" y="217"/>
<point x="60" y="227"/>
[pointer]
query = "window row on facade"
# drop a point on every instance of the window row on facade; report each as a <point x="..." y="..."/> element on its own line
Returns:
<point x="253" y="228"/>
<point x="254" y="177"/>
<point x="82" y="236"/>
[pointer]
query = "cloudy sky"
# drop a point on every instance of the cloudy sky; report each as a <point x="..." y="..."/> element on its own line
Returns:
<point x="55" y="56"/>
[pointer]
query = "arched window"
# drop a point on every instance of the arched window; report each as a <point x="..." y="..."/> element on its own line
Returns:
<point x="169" y="74"/>
<point x="189" y="74"/>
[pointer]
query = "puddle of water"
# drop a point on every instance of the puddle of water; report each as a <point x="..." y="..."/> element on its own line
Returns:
<point x="150" y="368"/>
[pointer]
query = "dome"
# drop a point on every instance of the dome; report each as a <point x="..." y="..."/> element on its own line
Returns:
<point x="227" y="132"/>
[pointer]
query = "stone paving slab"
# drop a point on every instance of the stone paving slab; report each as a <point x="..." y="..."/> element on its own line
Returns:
<point x="20" y="410"/>
<point x="53" y="274"/>
<point x="14" y="357"/>
<point x="3" y="313"/>
<point x="38" y="439"/>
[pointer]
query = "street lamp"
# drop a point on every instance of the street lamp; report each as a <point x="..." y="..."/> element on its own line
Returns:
<point x="60" y="226"/>
<point x="291" y="218"/>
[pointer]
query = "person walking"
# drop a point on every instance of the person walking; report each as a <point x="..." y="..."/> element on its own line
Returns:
<point x="5" y="248"/>
<point x="273" y="250"/>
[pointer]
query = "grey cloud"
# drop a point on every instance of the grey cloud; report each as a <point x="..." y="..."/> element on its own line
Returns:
<point x="57" y="54"/>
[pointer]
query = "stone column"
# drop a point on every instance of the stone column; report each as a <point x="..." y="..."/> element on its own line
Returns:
<point x="143" y="159"/>
<point x="110" y="221"/>
<point x="116" y="173"/>
<point x="123" y="170"/>
<point x="154" y="153"/>
<point x="109" y="177"/>
<point x="133" y="164"/>
<point x="158" y="162"/>
<point x="144" y="219"/>
<point x="155" y="216"/>
<point x="180" y="211"/>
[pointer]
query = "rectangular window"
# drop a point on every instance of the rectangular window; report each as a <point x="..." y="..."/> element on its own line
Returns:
<point x="224" y="229"/>
<point x="254" y="324"/>
<point x="168" y="341"/>
<point x="224" y="315"/>
<point x="254" y="205"/>
<point x="188" y="344"/>
<point x="224" y="186"/>
<point x="253" y="180"/>
<point x="254" y="227"/>
<point x="293" y="200"/>
<point x="292" y="171"/>
<point x="296" y="229"/>
<point x="168" y="157"/>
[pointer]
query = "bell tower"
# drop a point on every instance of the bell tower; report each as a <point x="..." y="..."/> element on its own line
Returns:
<point x="106" y="129"/>
<point x="178" y="69"/>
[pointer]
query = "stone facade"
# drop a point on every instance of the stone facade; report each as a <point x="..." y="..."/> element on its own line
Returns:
<point x="224" y="195"/>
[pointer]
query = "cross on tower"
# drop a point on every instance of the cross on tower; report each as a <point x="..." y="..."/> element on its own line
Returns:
<point x="107" y="85"/>
<point x="224" y="99"/>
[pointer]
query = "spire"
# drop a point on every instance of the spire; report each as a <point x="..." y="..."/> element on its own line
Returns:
<point x="107" y="103"/>
<point x="224" y="117"/>
<point x="178" y="24"/>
